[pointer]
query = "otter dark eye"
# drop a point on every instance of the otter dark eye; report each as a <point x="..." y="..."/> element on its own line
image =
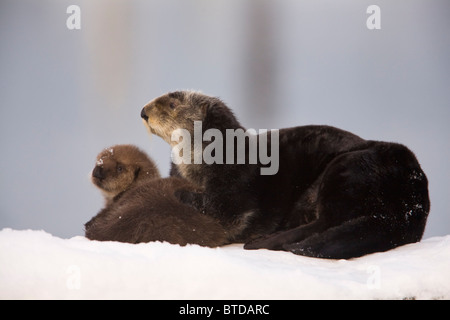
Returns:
<point x="119" y="168"/>
<point x="172" y="105"/>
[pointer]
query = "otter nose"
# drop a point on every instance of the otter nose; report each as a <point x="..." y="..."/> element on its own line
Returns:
<point x="98" y="173"/>
<point x="144" y="115"/>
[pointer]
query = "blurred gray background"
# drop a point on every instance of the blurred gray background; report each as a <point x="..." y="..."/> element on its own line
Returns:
<point x="67" y="94"/>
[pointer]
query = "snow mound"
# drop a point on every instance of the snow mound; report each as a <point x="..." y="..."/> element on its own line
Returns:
<point x="37" y="265"/>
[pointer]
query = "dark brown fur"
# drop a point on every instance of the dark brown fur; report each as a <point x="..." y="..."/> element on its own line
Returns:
<point x="335" y="195"/>
<point x="146" y="209"/>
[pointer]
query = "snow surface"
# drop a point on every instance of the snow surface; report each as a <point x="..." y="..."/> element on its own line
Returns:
<point x="37" y="265"/>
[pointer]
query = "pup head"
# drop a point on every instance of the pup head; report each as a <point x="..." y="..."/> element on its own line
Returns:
<point x="120" y="167"/>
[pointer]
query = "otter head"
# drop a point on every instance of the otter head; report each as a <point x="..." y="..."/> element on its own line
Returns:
<point x="120" y="167"/>
<point x="179" y="110"/>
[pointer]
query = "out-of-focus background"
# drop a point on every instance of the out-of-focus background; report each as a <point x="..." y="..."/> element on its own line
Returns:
<point x="67" y="94"/>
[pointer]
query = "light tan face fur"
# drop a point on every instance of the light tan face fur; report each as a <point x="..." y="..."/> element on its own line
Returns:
<point x="172" y="111"/>
<point x="119" y="167"/>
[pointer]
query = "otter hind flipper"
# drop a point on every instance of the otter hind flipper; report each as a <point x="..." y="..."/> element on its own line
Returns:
<point x="351" y="239"/>
<point x="278" y="240"/>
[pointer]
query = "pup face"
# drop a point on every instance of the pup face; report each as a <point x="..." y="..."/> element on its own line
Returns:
<point x="112" y="176"/>
<point x="118" y="167"/>
<point x="175" y="110"/>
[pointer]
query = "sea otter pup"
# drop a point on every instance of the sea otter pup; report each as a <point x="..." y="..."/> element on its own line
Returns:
<point x="120" y="167"/>
<point x="335" y="194"/>
<point x="141" y="206"/>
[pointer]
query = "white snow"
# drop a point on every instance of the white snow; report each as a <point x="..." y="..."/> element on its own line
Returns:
<point x="37" y="265"/>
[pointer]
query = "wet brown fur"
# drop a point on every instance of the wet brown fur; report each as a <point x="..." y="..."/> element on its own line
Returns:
<point x="141" y="206"/>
